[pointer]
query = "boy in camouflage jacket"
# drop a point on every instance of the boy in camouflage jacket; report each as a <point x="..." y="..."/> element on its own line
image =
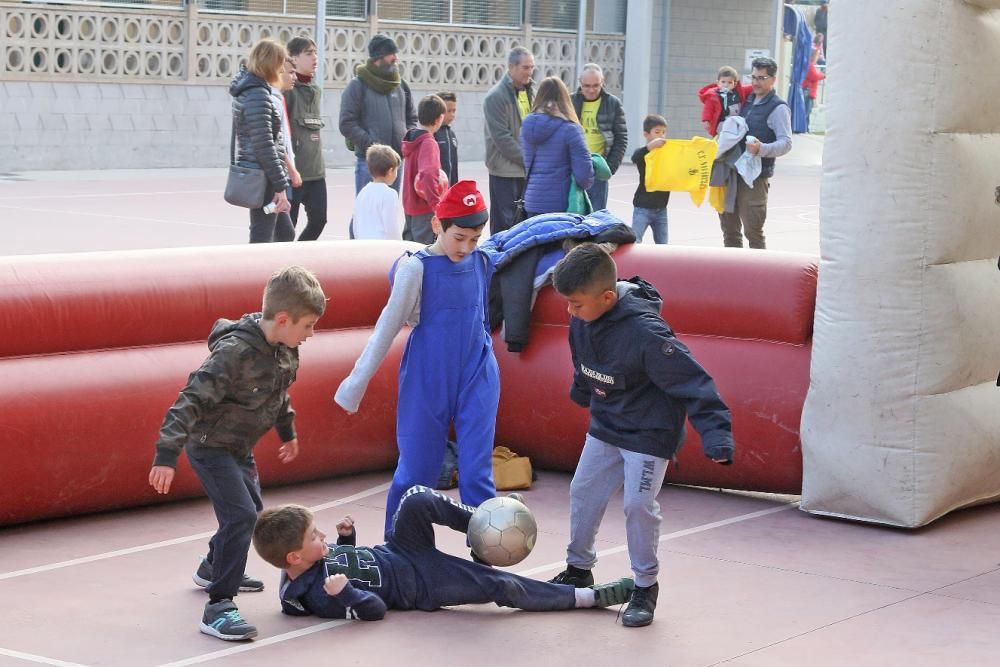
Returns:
<point x="237" y="394"/>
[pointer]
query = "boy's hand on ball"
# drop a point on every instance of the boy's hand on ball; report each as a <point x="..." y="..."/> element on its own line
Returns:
<point x="334" y="584"/>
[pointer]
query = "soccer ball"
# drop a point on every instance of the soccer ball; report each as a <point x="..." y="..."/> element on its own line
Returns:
<point x="502" y="531"/>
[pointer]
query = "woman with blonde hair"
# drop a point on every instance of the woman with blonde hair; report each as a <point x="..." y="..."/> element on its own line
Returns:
<point x="259" y="138"/>
<point x="554" y="150"/>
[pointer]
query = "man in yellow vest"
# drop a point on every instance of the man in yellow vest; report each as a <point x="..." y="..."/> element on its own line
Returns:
<point x="604" y="128"/>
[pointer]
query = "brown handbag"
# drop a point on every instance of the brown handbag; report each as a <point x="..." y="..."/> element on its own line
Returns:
<point x="510" y="471"/>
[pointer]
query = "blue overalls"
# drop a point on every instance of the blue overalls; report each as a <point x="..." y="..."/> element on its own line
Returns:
<point x="448" y="375"/>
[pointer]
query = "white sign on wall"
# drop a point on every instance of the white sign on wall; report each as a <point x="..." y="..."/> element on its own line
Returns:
<point x="754" y="53"/>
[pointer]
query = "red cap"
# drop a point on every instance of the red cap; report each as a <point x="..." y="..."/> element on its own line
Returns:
<point x="463" y="206"/>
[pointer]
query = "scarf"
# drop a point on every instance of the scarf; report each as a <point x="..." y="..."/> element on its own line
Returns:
<point x="380" y="81"/>
<point x="303" y="78"/>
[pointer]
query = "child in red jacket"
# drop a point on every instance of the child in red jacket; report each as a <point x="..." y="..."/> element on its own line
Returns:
<point x="422" y="183"/>
<point x="721" y="99"/>
<point x="810" y="84"/>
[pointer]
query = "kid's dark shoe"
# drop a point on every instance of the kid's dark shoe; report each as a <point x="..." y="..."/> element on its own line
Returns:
<point x="518" y="497"/>
<point x="574" y="576"/>
<point x="223" y="620"/>
<point x="614" y="592"/>
<point x="640" y="610"/>
<point x="203" y="577"/>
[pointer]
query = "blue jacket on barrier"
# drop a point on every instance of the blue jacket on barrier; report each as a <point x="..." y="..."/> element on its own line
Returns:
<point x="527" y="252"/>
<point x="554" y="151"/>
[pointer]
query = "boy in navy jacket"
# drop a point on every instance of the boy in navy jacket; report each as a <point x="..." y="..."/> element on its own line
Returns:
<point x="640" y="383"/>
<point x="407" y="572"/>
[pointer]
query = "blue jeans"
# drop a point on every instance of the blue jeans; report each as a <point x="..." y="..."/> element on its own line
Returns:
<point x="363" y="178"/>
<point x="656" y="218"/>
<point x="598" y="194"/>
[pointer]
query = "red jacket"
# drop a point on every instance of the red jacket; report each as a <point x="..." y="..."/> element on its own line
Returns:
<point x="422" y="173"/>
<point x="712" y="109"/>
<point x="811" y="82"/>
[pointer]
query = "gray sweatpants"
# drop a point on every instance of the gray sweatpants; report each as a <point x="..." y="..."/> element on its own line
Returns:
<point x="603" y="470"/>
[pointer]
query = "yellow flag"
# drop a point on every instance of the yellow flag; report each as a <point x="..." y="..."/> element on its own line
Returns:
<point x="681" y="165"/>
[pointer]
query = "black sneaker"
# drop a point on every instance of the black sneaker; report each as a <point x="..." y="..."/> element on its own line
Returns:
<point x="614" y="592"/>
<point x="640" y="610"/>
<point x="477" y="559"/>
<point x="203" y="577"/>
<point x="518" y="497"/>
<point x="575" y="577"/>
<point x="223" y="620"/>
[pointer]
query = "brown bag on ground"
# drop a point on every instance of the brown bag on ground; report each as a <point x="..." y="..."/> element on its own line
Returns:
<point x="510" y="471"/>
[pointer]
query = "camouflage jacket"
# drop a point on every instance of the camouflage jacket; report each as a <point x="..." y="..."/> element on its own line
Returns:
<point x="237" y="394"/>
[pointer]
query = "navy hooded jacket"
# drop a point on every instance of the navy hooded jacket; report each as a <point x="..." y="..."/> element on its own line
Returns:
<point x="554" y="152"/>
<point x="640" y="382"/>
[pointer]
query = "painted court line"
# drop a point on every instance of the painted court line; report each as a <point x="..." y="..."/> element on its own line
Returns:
<point x="535" y="570"/>
<point x="177" y="540"/>
<point x="38" y="658"/>
<point x="672" y="536"/>
<point x="243" y="648"/>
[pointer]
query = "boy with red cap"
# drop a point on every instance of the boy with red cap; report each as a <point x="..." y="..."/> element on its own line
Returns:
<point x="448" y="374"/>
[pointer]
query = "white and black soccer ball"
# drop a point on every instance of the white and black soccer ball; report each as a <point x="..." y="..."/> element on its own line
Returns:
<point x="502" y="531"/>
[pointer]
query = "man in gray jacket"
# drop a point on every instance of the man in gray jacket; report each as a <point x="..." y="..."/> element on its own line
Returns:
<point x="604" y="127"/>
<point x="507" y="103"/>
<point x="376" y="108"/>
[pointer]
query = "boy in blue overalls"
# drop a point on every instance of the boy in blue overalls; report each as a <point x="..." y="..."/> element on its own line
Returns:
<point x="448" y="374"/>
<point x="407" y="572"/>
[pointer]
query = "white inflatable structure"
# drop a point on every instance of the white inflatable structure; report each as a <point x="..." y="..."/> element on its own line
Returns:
<point x="902" y="420"/>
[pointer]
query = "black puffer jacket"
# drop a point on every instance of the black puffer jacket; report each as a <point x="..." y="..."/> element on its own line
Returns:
<point x="259" y="141"/>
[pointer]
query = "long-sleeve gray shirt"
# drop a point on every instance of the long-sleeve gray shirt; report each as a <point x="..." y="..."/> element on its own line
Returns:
<point x="402" y="308"/>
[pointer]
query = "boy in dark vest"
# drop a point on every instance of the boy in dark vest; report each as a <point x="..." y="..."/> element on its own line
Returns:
<point x="303" y="104"/>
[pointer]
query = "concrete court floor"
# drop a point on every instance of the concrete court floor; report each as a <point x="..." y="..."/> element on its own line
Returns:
<point x="747" y="579"/>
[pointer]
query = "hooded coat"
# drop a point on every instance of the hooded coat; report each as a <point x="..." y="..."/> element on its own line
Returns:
<point x="237" y="394"/>
<point x="259" y="134"/>
<point x="554" y="151"/>
<point x="422" y="177"/>
<point x="640" y="382"/>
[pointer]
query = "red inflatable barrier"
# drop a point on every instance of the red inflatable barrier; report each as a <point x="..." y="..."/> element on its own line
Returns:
<point x="94" y="348"/>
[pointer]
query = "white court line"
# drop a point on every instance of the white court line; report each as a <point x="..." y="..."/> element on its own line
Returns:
<point x="177" y="540"/>
<point x="38" y="658"/>
<point x="107" y="216"/>
<point x="119" y="194"/>
<point x="535" y="570"/>
<point x="671" y="536"/>
<point x="205" y="657"/>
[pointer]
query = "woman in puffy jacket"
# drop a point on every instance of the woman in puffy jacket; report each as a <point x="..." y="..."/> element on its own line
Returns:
<point x="554" y="150"/>
<point x="259" y="138"/>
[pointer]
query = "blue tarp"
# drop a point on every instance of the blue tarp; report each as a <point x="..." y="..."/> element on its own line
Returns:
<point x="797" y="27"/>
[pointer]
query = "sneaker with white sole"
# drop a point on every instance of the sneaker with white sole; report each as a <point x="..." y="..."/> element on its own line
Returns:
<point x="223" y="620"/>
<point x="203" y="577"/>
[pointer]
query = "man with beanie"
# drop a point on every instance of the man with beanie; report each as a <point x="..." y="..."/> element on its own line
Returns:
<point x="507" y="103"/>
<point x="376" y="107"/>
<point x="448" y="375"/>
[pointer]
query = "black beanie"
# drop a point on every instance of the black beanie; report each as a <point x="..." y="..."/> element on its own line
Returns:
<point x="381" y="46"/>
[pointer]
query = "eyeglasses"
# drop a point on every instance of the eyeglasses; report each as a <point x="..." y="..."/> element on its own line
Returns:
<point x="761" y="78"/>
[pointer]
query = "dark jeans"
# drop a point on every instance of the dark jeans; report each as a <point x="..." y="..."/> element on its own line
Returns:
<point x="418" y="228"/>
<point x="598" y="194"/>
<point x="312" y="195"/>
<point x="503" y="192"/>
<point x="234" y="489"/>
<point x="268" y="228"/>
<point x="809" y="109"/>
<point x="445" y="580"/>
